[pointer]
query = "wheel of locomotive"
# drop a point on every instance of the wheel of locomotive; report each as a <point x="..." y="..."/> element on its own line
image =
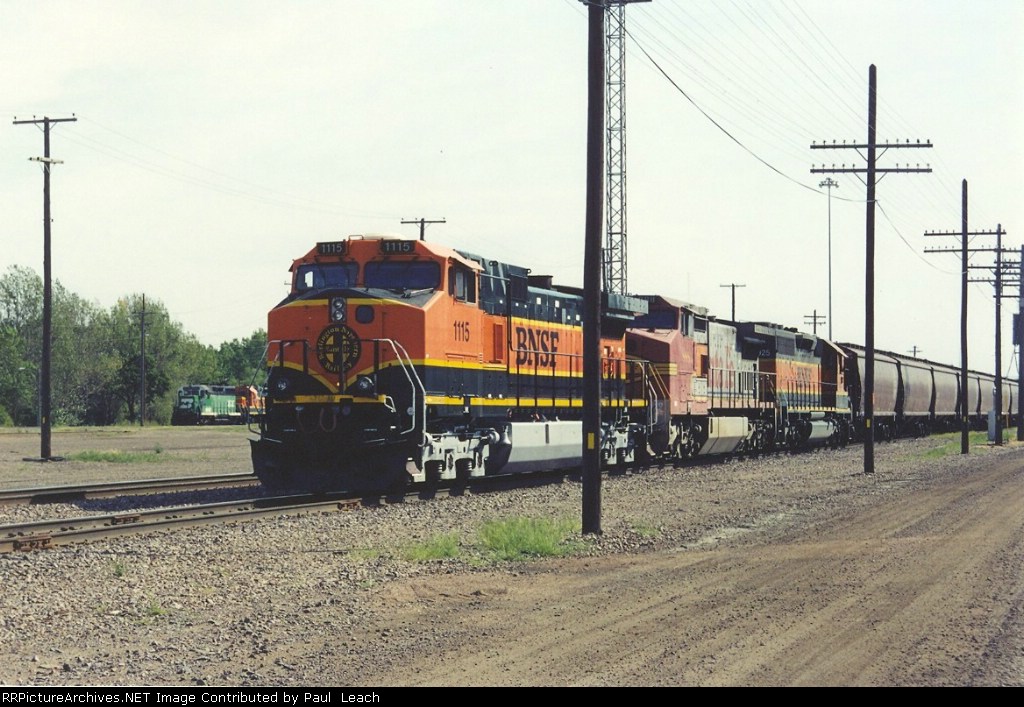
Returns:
<point x="757" y="442"/>
<point x="463" y="468"/>
<point x="677" y="453"/>
<point x="432" y="469"/>
<point x="792" y="439"/>
<point x="693" y="449"/>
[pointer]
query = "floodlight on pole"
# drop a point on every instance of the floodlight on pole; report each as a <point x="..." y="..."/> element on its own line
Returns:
<point x="829" y="184"/>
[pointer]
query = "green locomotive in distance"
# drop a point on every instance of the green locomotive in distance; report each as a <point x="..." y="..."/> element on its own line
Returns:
<point x="216" y="404"/>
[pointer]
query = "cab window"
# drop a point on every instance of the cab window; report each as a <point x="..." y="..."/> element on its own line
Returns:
<point x="402" y="275"/>
<point x="461" y="284"/>
<point x="319" y="276"/>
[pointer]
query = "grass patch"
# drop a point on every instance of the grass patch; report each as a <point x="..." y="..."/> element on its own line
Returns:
<point x="153" y="610"/>
<point x="645" y="530"/>
<point x="118" y="457"/>
<point x="950" y="442"/>
<point x="521" y="538"/>
<point x="120" y="569"/>
<point x="366" y="554"/>
<point x="436" y="548"/>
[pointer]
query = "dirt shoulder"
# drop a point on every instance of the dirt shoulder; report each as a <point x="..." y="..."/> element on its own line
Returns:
<point x="922" y="586"/>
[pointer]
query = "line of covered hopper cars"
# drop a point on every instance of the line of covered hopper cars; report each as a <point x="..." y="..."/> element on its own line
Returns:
<point x="394" y="361"/>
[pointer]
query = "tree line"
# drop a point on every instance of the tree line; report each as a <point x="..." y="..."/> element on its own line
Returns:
<point x="95" y="366"/>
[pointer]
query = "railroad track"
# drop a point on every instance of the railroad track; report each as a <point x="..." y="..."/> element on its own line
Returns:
<point x="45" y="534"/>
<point x="65" y="494"/>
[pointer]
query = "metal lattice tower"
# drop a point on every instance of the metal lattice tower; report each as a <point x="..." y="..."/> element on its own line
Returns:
<point x="615" y="122"/>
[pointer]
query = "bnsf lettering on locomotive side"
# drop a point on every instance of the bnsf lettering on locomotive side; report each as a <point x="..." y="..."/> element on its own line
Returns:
<point x="536" y="346"/>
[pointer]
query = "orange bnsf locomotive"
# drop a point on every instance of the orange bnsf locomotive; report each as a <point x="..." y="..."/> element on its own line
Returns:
<point x="395" y="361"/>
<point x="736" y="387"/>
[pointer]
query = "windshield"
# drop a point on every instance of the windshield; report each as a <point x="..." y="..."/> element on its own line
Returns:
<point x="316" y="276"/>
<point x="404" y="275"/>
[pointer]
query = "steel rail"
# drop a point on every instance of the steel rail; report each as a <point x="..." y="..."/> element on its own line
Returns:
<point x="45" y="534"/>
<point x="108" y="489"/>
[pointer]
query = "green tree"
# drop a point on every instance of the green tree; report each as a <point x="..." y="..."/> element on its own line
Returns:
<point x="77" y="354"/>
<point x="18" y="379"/>
<point x="21" y="308"/>
<point x="164" y="340"/>
<point x="96" y="356"/>
<point x="239" y="359"/>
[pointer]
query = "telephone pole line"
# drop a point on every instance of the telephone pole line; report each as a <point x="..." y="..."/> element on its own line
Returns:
<point x="998" y="270"/>
<point x="45" y="422"/>
<point x="965" y="269"/>
<point x="592" y="272"/>
<point x="813" y="320"/>
<point x="142" y="364"/>
<point x="733" y="286"/>
<point x="1019" y="340"/>
<point x="423" y="225"/>
<point x="871" y="171"/>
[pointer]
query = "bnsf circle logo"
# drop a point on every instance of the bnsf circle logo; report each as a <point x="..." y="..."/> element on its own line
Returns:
<point x="337" y="348"/>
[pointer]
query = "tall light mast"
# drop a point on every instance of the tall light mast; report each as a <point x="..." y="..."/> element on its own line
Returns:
<point x="614" y="260"/>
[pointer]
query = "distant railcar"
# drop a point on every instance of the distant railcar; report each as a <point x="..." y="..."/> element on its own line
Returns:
<point x="206" y="404"/>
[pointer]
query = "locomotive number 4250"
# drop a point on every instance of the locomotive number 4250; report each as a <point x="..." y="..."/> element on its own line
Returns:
<point x="461" y="331"/>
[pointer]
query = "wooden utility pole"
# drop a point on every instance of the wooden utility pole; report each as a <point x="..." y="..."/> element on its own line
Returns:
<point x="592" y="272"/>
<point x="1020" y="345"/>
<point x="1000" y="268"/>
<point x="871" y="171"/>
<point x="733" y="287"/>
<point x="813" y="320"/>
<point x="142" y="364"/>
<point x="965" y="232"/>
<point x="423" y="225"/>
<point x="45" y="421"/>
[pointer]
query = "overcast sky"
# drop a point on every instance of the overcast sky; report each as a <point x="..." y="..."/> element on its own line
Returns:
<point x="216" y="142"/>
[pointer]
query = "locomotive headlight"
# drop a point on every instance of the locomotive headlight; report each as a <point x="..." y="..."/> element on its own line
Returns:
<point x="363" y="385"/>
<point x="338" y="307"/>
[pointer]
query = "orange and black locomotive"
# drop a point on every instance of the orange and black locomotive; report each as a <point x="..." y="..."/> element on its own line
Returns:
<point x="400" y="360"/>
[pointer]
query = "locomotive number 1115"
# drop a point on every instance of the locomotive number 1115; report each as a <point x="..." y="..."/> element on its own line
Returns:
<point x="461" y="330"/>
